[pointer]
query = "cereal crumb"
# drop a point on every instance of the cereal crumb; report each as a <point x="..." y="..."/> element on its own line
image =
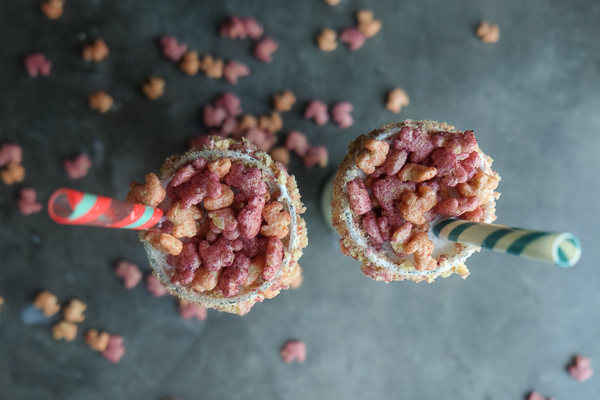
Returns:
<point x="488" y="33"/>
<point x="47" y="302"/>
<point x="154" y="87"/>
<point x="265" y="48"/>
<point x="114" y="349"/>
<point x="189" y="310"/>
<point x="52" y="8"/>
<point x="100" y="101"/>
<point x="77" y="167"/>
<point x="171" y="48"/>
<point x="353" y="38"/>
<point x="98" y="341"/>
<point x="96" y="51"/>
<point x="367" y="24"/>
<point x="234" y="70"/>
<point x="129" y="272"/>
<point x="64" y="330"/>
<point x="581" y="369"/>
<point x="397" y="99"/>
<point x="294" y="350"/>
<point x="326" y="40"/>
<point x="27" y="201"/>
<point x="284" y="101"/>
<point x="37" y="64"/>
<point x="155" y="287"/>
<point x="73" y="312"/>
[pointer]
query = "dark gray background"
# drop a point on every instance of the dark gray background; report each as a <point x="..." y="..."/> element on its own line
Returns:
<point x="533" y="100"/>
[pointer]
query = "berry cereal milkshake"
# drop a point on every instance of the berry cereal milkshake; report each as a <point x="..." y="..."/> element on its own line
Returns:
<point x="233" y="232"/>
<point x="398" y="181"/>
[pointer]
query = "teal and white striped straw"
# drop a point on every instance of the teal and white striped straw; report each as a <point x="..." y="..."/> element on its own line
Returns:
<point x="562" y="249"/>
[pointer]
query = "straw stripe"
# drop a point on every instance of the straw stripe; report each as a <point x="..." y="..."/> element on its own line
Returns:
<point x="145" y="217"/>
<point x="455" y="233"/>
<point x="441" y="225"/>
<point x="86" y="203"/>
<point x="490" y="241"/>
<point x="519" y="245"/>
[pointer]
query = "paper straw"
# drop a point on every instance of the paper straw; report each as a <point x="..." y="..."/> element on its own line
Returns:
<point x="562" y="249"/>
<point x="72" y="207"/>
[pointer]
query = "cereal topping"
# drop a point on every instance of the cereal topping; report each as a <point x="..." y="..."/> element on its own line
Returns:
<point x="414" y="205"/>
<point x="416" y="173"/>
<point x="150" y="193"/>
<point x="277" y="220"/>
<point x="374" y="157"/>
<point x="481" y="186"/>
<point x="274" y="258"/>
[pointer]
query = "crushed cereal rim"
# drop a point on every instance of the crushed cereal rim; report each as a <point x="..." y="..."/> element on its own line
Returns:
<point x="384" y="264"/>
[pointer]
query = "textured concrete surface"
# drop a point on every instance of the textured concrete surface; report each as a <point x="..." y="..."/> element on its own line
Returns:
<point x="533" y="100"/>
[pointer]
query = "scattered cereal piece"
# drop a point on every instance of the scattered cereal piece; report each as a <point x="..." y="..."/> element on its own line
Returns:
<point x="1" y="302"/>
<point x="246" y="122"/>
<point x="211" y="67"/>
<point x="271" y="124"/>
<point x="297" y="142"/>
<point x="265" y="48"/>
<point x="376" y="155"/>
<point x="189" y="310"/>
<point x="317" y="110"/>
<point x="77" y="167"/>
<point x="154" y="87"/>
<point x="332" y="2"/>
<point x="326" y="40"/>
<point x="397" y="99"/>
<point x="581" y="369"/>
<point x="114" y="349"/>
<point x="294" y="350"/>
<point x="296" y="283"/>
<point x="100" y="101"/>
<point x="10" y="153"/>
<point x="27" y="202"/>
<point x="199" y="141"/>
<point x="341" y="114"/>
<point x="73" y="312"/>
<point x="64" y="330"/>
<point x="98" y="341"/>
<point x="230" y="103"/>
<point x="190" y="63"/>
<point x="234" y="70"/>
<point x="171" y="48"/>
<point x="536" y="396"/>
<point x="316" y="155"/>
<point x="96" y="51"/>
<point x="360" y="202"/>
<point x="367" y="24"/>
<point x="129" y="272"/>
<point x="253" y="28"/>
<point x="155" y="287"/>
<point x="353" y="38"/>
<point x="52" y="8"/>
<point x="151" y="193"/>
<point x="233" y="28"/>
<point x="280" y="154"/>
<point x="284" y="101"/>
<point x="37" y="64"/>
<point x="488" y="33"/>
<point x="214" y="116"/>
<point x="164" y="242"/>
<point x="47" y="302"/>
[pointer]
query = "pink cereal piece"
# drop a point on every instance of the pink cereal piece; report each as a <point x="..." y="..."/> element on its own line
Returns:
<point x="316" y="155"/>
<point x="296" y="141"/>
<point x="274" y="258"/>
<point x="262" y="139"/>
<point x="416" y="141"/>
<point x="189" y="310"/>
<point x="186" y="173"/>
<point x="10" y="153"/>
<point x="186" y="263"/>
<point x="456" y="207"/>
<point x="233" y="28"/>
<point x="294" y="350"/>
<point x="115" y="349"/>
<point x="384" y="228"/>
<point x="449" y="167"/>
<point x="37" y="64"/>
<point x="394" y="217"/>
<point x="341" y="114"/>
<point x="395" y="161"/>
<point x="234" y="70"/>
<point x="171" y="48"/>
<point x="249" y="181"/>
<point x="264" y="49"/>
<point x="317" y="110"/>
<point x="230" y="103"/>
<point x="78" y="167"/>
<point x="214" y="116"/>
<point x="216" y="256"/>
<point x="27" y="201"/>
<point x="199" y="141"/>
<point x="250" y="217"/>
<point x="369" y="223"/>
<point x="471" y="164"/>
<point x="129" y="272"/>
<point x="353" y="37"/>
<point x="234" y="275"/>
<point x="465" y="143"/>
<point x="389" y="189"/>
<point x="581" y="369"/>
<point x="201" y="185"/>
<point x="255" y="246"/>
<point x="358" y="196"/>
<point x="155" y="287"/>
<point x="253" y="28"/>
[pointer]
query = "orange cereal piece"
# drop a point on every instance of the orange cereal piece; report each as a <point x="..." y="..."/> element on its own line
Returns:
<point x="297" y="282"/>
<point x="413" y="205"/>
<point x="47" y="302"/>
<point x="12" y="173"/>
<point x="190" y="63"/>
<point x="1" y="300"/>
<point x="74" y="311"/>
<point x="164" y="242"/>
<point x="98" y="341"/>
<point x="481" y="185"/>
<point x="473" y="216"/>
<point x="64" y="330"/>
<point x="400" y="239"/>
<point x="277" y="220"/>
<point x="488" y="33"/>
<point x="332" y="2"/>
<point x="150" y="193"/>
<point x="416" y="173"/>
<point x="422" y="247"/>
<point x="220" y="167"/>
<point x="52" y="8"/>
<point x="326" y="40"/>
<point x="211" y="67"/>
<point x="257" y="264"/>
<point x="272" y="123"/>
<point x="100" y="101"/>
<point x="397" y="99"/>
<point x="374" y="157"/>
<point x="225" y="200"/>
<point x="184" y="221"/>
<point x="248" y="121"/>
<point x="205" y="279"/>
<point x="154" y="87"/>
<point x="284" y="101"/>
<point x="96" y="51"/>
<point x="367" y="24"/>
<point x="280" y="154"/>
